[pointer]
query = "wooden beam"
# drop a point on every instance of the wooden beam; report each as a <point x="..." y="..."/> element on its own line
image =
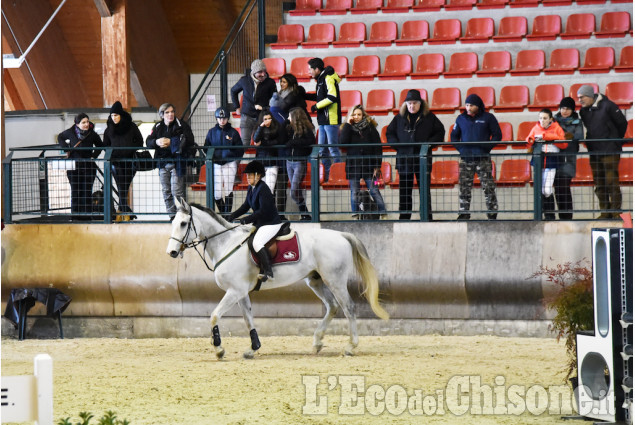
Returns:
<point x="115" y="55"/>
<point x="103" y="8"/>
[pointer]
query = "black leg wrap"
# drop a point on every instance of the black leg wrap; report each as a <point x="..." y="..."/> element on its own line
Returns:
<point x="216" y="336"/>
<point x="255" y="342"/>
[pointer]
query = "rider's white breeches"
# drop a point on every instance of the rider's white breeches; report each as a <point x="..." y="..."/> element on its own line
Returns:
<point x="264" y="234"/>
<point x="224" y="179"/>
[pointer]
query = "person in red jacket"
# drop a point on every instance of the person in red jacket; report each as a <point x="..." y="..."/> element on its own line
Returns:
<point x="547" y="130"/>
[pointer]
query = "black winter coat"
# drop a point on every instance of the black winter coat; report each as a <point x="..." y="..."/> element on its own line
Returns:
<point x="269" y="137"/>
<point x="299" y="147"/>
<point x="252" y="96"/>
<point x="261" y="201"/>
<point x="124" y="134"/>
<point x="357" y="168"/>
<point x="604" y="120"/>
<point x="91" y="139"/>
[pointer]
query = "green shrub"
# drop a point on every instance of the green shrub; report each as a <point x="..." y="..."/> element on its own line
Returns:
<point x="110" y="418"/>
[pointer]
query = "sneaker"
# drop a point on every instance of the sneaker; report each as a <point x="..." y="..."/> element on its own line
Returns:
<point x="463" y="217"/>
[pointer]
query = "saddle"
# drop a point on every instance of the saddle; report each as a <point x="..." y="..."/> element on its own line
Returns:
<point x="282" y="248"/>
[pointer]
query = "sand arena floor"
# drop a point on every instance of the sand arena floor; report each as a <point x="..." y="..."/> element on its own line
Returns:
<point x="401" y="380"/>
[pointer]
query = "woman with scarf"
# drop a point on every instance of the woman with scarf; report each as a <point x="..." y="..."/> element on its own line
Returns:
<point x="573" y="128"/>
<point x="81" y="135"/>
<point x="291" y="95"/>
<point x="121" y="132"/>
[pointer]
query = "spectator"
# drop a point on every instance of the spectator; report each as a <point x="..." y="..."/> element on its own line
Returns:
<point x="174" y="144"/>
<point x="603" y="120"/>
<point x="225" y="160"/>
<point x="300" y="137"/>
<point x="570" y="122"/>
<point x="291" y="95"/>
<point x="546" y="130"/>
<point x="328" y="109"/>
<point x="270" y="136"/>
<point x="414" y="124"/>
<point x="257" y="89"/>
<point x="476" y="125"/>
<point x="81" y="178"/>
<point x="362" y="162"/>
<point x="121" y="132"/>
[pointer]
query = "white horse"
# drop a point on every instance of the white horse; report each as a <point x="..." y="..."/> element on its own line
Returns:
<point x="328" y="259"/>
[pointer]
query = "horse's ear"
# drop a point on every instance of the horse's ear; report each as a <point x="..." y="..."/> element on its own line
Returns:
<point x="182" y="204"/>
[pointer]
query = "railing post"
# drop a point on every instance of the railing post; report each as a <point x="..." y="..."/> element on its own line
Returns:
<point x="108" y="202"/>
<point x="7" y="179"/>
<point x="209" y="179"/>
<point x="424" y="193"/>
<point x="315" y="184"/>
<point x="43" y="183"/>
<point x="223" y="79"/>
<point x="261" y="29"/>
<point x="537" y="158"/>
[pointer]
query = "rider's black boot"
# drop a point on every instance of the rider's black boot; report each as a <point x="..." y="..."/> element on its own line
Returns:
<point x="220" y="204"/>
<point x="265" y="265"/>
<point x="229" y="203"/>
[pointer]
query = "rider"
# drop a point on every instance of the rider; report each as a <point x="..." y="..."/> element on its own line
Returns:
<point x="265" y="215"/>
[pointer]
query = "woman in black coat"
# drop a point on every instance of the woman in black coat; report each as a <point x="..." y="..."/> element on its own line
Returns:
<point x="81" y="135"/>
<point x="300" y="137"/>
<point x="121" y="132"/>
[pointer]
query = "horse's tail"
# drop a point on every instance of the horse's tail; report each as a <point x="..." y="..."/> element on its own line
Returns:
<point x="368" y="274"/>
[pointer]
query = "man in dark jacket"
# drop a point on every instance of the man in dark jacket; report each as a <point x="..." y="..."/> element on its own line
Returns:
<point x="173" y="142"/>
<point x="603" y="120"/>
<point x="257" y="89"/>
<point x="476" y="125"/>
<point x="414" y="124"/>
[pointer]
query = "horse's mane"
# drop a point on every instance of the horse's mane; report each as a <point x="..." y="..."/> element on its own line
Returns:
<point x="214" y="215"/>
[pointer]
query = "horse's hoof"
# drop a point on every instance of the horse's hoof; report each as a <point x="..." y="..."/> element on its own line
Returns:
<point x="317" y="348"/>
<point x="348" y="351"/>
<point x="220" y="352"/>
<point x="249" y="354"/>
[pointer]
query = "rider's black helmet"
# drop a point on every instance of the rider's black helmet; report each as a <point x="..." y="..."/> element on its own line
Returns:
<point x="255" y="167"/>
<point x="221" y="112"/>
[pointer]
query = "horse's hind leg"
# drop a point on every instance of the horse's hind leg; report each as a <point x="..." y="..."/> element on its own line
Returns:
<point x="337" y="285"/>
<point x="245" y="306"/>
<point x="230" y="298"/>
<point x="322" y="291"/>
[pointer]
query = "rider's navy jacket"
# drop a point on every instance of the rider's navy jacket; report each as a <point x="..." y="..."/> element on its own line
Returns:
<point x="263" y="204"/>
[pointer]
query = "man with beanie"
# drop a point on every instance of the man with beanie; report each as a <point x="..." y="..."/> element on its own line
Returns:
<point x="476" y="125"/>
<point x="257" y="89"/>
<point x="603" y="120"/>
<point x="571" y="123"/>
<point x="328" y="109"/>
<point x="414" y="124"/>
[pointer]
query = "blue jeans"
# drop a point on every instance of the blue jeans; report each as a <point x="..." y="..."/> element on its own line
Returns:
<point x="374" y="193"/>
<point x="172" y="185"/>
<point x="296" y="171"/>
<point x="332" y="133"/>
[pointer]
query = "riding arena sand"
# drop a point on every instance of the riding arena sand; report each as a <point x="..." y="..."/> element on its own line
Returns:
<point x="390" y="380"/>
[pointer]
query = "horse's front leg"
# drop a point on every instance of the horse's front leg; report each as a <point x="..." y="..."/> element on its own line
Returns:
<point x="245" y="306"/>
<point x="230" y="298"/>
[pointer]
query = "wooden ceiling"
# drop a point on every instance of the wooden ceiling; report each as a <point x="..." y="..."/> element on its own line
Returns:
<point x="168" y="40"/>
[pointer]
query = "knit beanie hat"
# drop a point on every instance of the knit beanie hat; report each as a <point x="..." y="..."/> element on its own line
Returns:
<point x="567" y="102"/>
<point x="258" y="65"/>
<point x="116" y="108"/>
<point x="79" y="117"/>
<point x="413" y="95"/>
<point x="474" y="99"/>
<point x="586" y="90"/>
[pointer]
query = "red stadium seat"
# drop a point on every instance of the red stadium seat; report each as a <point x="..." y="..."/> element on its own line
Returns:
<point x="289" y="36"/>
<point x="491" y="4"/>
<point x="444" y="174"/>
<point x="614" y="25"/>
<point x="320" y="36"/>
<point x="545" y="27"/>
<point x="241" y="182"/>
<point x="547" y="96"/>
<point x="276" y="67"/>
<point x="382" y="34"/>
<point x="573" y="91"/>
<point x="413" y="33"/>
<point x="428" y="5"/>
<point x="512" y="99"/>
<point x="462" y="65"/>
<point x="598" y="60"/>
<point x="396" y="67"/>
<point x="386" y="176"/>
<point x="557" y="2"/>
<point x="306" y="7"/>
<point x="429" y="66"/>
<point x="339" y="64"/>
<point x="300" y="68"/>
<point x="584" y="2"/>
<point x="511" y="28"/>
<point x="495" y="64"/>
<point x="446" y="31"/>
<point x="626" y="60"/>
<point x="523" y="3"/>
<point x="508" y="133"/>
<point x="583" y="173"/>
<point x="524" y="128"/>
<point x="397" y="6"/>
<point x="529" y="62"/>
<point x="487" y="95"/>
<point x="384" y="147"/>
<point x="460" y="4"/>
<point x="478" y="30"/>
<point x="404" y="93"/>
<point x="352" y="34"/>
<point x="367" y="6"/>
<point x="201" y="183"/>
<point x="621" y="93"/>
<point x="445" y="100"/>
<point x="348" y="99"/>
<point x="563" y="61"/>
<point x="629" y="130"/>
<point x="306" y="182"/>
<point x="579" y="26"/>
<point x="380" y="101"/>
<point x="514" y="173"/>
<point x="625" y="171"/>
<point x="394" y="184"/>
<point x="365" y="68"/>
<point x="336" y="7"/>
<point x="337" y="177"/>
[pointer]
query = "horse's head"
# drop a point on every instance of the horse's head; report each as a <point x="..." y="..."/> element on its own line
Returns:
<point x="181" y="229"/>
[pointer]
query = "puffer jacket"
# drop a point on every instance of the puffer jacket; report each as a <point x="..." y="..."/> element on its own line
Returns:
<point x="327" y="97"/>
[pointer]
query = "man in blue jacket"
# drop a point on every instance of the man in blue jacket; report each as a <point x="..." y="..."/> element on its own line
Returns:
<point x="476" y="125"/>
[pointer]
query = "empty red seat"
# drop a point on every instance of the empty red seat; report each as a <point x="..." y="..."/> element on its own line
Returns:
<point x="320" y="36"/>
<point x="339" y="64"/>
<point x="529" y="62"/>
<point x="511" y="28"/>
<point x="349" y="99"/>
<point x="598" y="60"/>
<point x="557" y="2"/>
<point x="563" y="61"/>
<point x="404" y="93"/>
<point x="337" y="177"/>
<point x="446" y="31"/>
<point x="201" y="183"/>
<point x="626" y="60"/>
<point x="507" y="131"/>
<point x="629" y="130"/>
<point x="524" y="128"/>
<point x="486" y="93"/>
<point x="336" y="7"/>
<point x="382" y="34"/>
<point x="276" y="67"/>
<point x="495" y="64"/>
<point x="384" y="147"/>
<point x="366" y="6"/>
<point x="583" y="173"/>
<point x="462" y="65"/>
<point x="514" y="173"/>
<point x="524" y="3"/>
<point x="621" y="93"/>
<point x="380" y="101"/>
<point x="300" y="68"/>
<point x="573" y="91"/>
<point x="428" y="5"/>
<point x="289" y="36"/>
<point x="352" y="34"/>
<point x="445" y="100"/>
<point x="397" y="6"/>
<point x="429" y="65"/>
<point x="365" y="68"/>
<point x="460" y="4"/>
<point x="545" y="27"/>
<point x="396" y="67"/>
<point x="546" y="96"/>
<point x="241" y="182"/>
<point x="614" y="24"/>
<point x="625" y="171"/>
<point x="385" y="177"/>
<point x="579" y="26"/>
<point x="413" y="33"/>
<point x="306" y="7"/>
<point x="444" y="174"/>
<point x="513" y="99"/>
<point x="478" y="30"/>
<point x="491" y="4"/>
